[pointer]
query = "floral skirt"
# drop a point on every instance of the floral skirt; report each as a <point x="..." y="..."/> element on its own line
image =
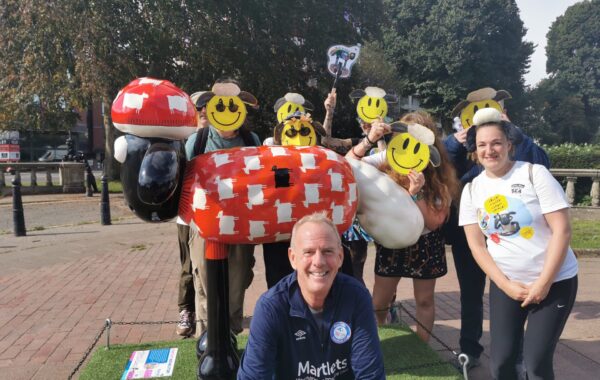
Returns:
<point x="425" y="260"/>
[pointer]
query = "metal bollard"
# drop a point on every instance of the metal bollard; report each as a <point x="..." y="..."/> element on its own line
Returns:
<point x="18" y="216"/>
<point x="104" y="203"/>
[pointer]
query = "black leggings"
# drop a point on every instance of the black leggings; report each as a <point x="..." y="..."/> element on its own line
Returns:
<point x="545" y="323"/>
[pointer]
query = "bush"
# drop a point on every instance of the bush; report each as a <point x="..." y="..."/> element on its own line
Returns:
<point x="573" y="156"/>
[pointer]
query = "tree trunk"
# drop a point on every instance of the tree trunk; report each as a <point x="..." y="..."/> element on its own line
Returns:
<point x="111" y="166"/>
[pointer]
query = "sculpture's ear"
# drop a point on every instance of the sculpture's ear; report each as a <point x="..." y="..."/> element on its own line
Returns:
<point x="357" y="94"/>
<point x="399" y="127"/>
<point x="459" y="107"/>
<point x="278" y="104"/>
<point x="391" y="98"/>
<point x="308" y="105"/>
<point x="248" y="98"/>
<point x="434" y="156"/>
<point x="319" y="128"/>
<point x="502" y="95"/>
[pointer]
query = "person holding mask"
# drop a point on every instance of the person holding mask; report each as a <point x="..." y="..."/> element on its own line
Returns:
<point x="315" y="323"/>
<point x="522" y="212"/>
<point x="433" y="190"/>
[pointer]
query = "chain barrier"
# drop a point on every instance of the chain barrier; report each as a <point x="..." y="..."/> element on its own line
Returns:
<point x="106" y="327"/>
<point x="462" y="359"/>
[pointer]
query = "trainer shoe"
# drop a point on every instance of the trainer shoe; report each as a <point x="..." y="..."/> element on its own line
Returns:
<point x="187" y="323"/>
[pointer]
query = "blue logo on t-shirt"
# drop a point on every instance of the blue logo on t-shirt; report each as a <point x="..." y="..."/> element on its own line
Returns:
<point x="340" y="332"/>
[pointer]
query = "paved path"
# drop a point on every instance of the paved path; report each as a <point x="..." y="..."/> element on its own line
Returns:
<point x="58" y="285"/>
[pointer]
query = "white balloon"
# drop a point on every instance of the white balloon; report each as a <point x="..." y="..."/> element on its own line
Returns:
<point x="385" y="209"/>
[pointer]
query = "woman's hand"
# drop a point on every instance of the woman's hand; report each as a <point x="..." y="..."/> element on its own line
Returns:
<point x="417" y="181"/>
<point x="537" y="293"/>
<point x="516" y="290"/>
<point x="378" y="130"/>
<point x="461" y="136"/>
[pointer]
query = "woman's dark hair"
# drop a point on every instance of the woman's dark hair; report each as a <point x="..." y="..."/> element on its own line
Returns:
<point x="508" y="129"/>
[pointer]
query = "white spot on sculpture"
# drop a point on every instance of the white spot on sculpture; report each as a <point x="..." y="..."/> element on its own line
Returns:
<point x="252" y="163"/>
<point x="154" y="82"/>
<point x="221" y="159"/>
<point x="282" y="237"/>
<point x="336" y="181"/>
<point x="177" y="102"/>
<point x="134" y="101"/>
<point x="311" y="193"/>
<point x="255" y="196"/>
<point x="199" y="201"/>
<point x="257" y="229"/>
<point x="226" y="224"/>
<point x="308" y="161"/>
<point x="278" y="151"/>
<point x="284" y="212"/>
<point x="352" y="193"/>
<point x="337" y="214"/>
<point x="225" y="187"/>
<point x="331" y="155"/>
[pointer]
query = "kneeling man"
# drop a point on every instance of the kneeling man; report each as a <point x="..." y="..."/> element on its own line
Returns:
<point x="315" y="323"/>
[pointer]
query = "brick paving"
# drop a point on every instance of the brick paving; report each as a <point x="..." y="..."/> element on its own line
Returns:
<point x="57" y="287"/>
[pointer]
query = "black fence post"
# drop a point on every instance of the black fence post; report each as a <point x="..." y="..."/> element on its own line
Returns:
<point x="18" y="216"/>
<point x="105" y="203"/>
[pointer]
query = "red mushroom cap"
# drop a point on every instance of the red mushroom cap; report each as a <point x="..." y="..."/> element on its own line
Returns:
<point x="149" y="107"/>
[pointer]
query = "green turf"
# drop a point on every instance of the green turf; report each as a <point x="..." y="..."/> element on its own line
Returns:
<point x="405" y="357"/>
<point x="585" y="234"/>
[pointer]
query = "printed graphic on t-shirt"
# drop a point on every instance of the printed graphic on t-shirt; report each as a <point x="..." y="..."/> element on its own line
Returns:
<point x="504" y="216"/>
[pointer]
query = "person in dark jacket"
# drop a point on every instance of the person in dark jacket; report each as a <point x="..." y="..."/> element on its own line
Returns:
<point x="315" y="323"/>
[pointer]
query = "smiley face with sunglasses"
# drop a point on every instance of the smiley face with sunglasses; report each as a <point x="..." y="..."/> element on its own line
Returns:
<point x="298" y="129"/>
<point x="226" y="105"/>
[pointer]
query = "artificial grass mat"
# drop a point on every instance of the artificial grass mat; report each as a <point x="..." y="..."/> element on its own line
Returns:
<point x="404" y="354"/>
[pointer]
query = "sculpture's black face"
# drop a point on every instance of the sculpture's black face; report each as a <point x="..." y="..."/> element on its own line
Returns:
<point x="152" y="177"/>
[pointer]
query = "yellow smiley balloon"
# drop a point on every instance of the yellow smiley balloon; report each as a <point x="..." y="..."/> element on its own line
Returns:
<point x="404" y="152"/>
<point x="467" y="113"/>
<point x="288" y="108"/>
<point x="298" y="133"/>
<point x="226" y="113"/>
<point x="370" y="108"/>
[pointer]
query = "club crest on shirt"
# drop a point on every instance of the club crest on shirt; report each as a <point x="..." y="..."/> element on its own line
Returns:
<point x="517" y="188"/>
<point x="340" y="332"/>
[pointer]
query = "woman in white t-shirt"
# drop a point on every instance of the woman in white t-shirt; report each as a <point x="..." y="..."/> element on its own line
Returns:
<point x="516" y="220"/>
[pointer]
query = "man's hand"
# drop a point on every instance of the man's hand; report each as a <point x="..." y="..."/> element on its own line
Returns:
<point x="330" y="101"/>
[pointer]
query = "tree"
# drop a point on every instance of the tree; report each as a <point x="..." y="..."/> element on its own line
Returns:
<point x="37" y="88"/>
<point x="445" y="49"/>
<point x="573" y="62"/>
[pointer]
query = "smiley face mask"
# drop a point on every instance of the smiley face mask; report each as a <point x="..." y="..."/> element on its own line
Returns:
<point x="289" y="104"/>
<point x="372" y="103"/>
<point x="226" y="105"/>
<point x="412" y="148"/>
<point x="479" y="99"/>
<point x="299" y="130"/>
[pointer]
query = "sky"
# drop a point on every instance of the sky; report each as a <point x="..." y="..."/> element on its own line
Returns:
<point x="538" y="16"/>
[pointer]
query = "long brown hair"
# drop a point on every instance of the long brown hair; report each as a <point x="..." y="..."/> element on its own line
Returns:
<point x="441" y="184"/>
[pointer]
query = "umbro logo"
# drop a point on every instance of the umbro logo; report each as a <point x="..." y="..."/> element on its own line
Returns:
<point x="300" y="335"/>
